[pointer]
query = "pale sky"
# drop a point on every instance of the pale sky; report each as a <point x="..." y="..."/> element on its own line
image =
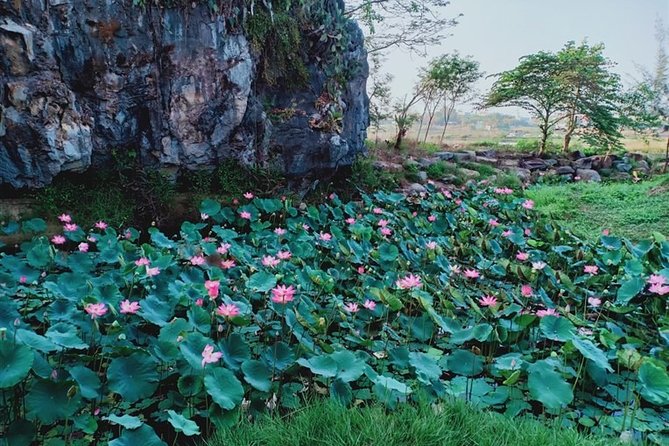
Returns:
<point x="498" y="32"/>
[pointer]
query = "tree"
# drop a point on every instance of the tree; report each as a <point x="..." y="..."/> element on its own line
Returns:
<point x="535" y="87"/>
<point x="403" y="116"/>
<point x="413" y="25"/>
<point x="574" y="85"/>
<point x="591" y="95"/>
<point x="452" y="77"/>
<point x="379" y="94"/>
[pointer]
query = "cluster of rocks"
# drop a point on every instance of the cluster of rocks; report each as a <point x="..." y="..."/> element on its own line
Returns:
<point x="574" y="167"/>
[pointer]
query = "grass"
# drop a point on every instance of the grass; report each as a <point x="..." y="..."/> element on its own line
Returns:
<point x="630" y="210"/>
<point x="449" y="424"/>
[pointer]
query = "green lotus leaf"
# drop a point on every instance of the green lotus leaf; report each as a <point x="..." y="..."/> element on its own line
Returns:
<point x="464" y="362"/>
<point x="15" y="363"/>
<point x="258" y="374"/>
<point x="426" y="367"/>
<point x="654" y="384"/>
<point x="280" y="356"/>
<point x="182" y="424"/>
<point x="262" y="281"/>
<point x="144" y="436"/>
<point x="20" y="433"/>
<point x="88" y="381"/>
<point x="341" y="392"/>
<point x="629" y="290"/>
<point x="224" y="388"/>
<point x="133" y="377"/>
<point x="65" y="335"/>
<point x="592" y="352"/>
<point x="548" y="387"/>
<point x="557" y="328"/>
<point x="127" y="421"/>
<point x="48" y="401"/>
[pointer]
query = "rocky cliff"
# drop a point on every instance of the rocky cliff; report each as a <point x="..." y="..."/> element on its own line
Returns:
<point x="180" y="86"/>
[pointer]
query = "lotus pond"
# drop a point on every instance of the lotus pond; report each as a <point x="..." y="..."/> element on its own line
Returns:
<point x="109" y="335"/>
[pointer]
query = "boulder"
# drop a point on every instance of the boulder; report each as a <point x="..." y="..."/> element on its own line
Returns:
<point x="524" y="175"/>
<point x="177" y="85"/>
<point x="533" y="164"/>
<point x="565" y="170"/>
<point x="444" y="156"/>
<point x="416" y="188"/>
<point x="469" y="173"/>
<point x="588" y="175"/>
<point x="487" y="160"/>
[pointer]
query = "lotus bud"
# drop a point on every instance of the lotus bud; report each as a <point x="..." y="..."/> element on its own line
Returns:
<point x="220" y="328"/>
<point x="121" y="337"/>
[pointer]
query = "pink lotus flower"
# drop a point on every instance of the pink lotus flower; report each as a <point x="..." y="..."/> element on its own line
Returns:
<point x="142" y="261"/>
<point x="282" y="294"/>
<point x="657" y="279"/>
<point x="57" y="239"/>
<point x="65" y="218"/>
<point x="377" y="210"/>
<point x="306" y="227"/>
<point x="455" y="269"/>
<point x="152" y="271"/>
<point x="432" y="218"/>
<point x="488" y="301"/>
<point x="270" y="261"/>
<point x="659" y="289"/>
<point x="198" y="260"/>
<point x="212" y="287"/>
<point x="83" y="247"/>
<point x="325" y="236"/>
<point x="352" y="307"/>
<point x="235" y="201"/>
<point x="228" y="264"/>
<point x="91" y="238"/>
<point x="590" y="269"/>
<point x="245" y="215"/>
<point x="528" y="204"/>
<point x="228" y="310"/>
<point x="605" y="232"/>
<point x="96" y="310"/>
<point x="350" y="220"/>
<point x="101" y="225"/>
<point x="223" y="249"/>
<point x="538" y="265"/>
<point x="127" y="235"/>
<point x="472" y="274"/>
<point x="528" y="232"/>
<point x="361" y="270"/>
<point x="503" y="191"/>
<point x="526" y="290"/>
<point x="408" y="282"/>
<point x="204" y="216"/>
<point x="369" y="304"/>
<point x="507" y="233"/>
<point x="386" y="231"/>
<point x="383" y="223"/>
<point x="128" y="307"/>
<point x="284" y="255"/>
<point x="522" y="256"/>
<point x="209" y="356"/>
<point x="279" y="231"/>
<point x="594" y="301"/>
<point x="199" y="302"/>
<point x="70" y="227"/>
<point x="492" y="222"/>
<point x="23" y="279"/>
<point x="548" y="312"/>
<point x="431" y="245"/>
<point x="248" y="195"/>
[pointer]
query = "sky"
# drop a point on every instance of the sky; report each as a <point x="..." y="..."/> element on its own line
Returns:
<point x="498" y="32"/>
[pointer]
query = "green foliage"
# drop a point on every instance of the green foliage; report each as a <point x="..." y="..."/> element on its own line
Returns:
<point x="225" y="315"/>
<point x="367" y="178"/>
<point x="446" y="424"/>
<point x="484" y="169"/>
<point x="440" y="169"/>
<point x="509" y="180"/>
<point x="632" y="210"/>
<point x="573" y="86"/>
<point x="278" y="40"/>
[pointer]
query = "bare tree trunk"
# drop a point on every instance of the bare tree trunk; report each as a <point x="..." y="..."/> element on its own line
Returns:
<point x="447" y="117"/>
<point x="429" y="122"/>
<point x="400" y="136"/>
<point x="666" y="157"/>
<point x="570" y="131"/>
<point x="422" y="117"/>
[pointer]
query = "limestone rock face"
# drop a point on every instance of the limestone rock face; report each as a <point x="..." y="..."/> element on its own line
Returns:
<point x="81" y="80"/>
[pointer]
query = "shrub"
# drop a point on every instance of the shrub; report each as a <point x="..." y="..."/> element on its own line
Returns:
<point x="451" y="295"/>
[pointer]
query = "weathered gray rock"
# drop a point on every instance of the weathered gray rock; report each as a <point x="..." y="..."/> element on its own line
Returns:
<point x="444" y="156"/>
<point x="525" y="175"/>
<point x="487" y="160"/>
<point x="422" y="176"/>
<point x="588" y="175"/>
<point x="181" y="87"/>
<point x="565" y="170"/>
<point x="469" y="173"/>
<point x="533" y="164"/>
<point x="384" y="165"/>
<point x="416" y="188"/>
<point x="583" y="163"/>
<point x="623" y="167"/>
